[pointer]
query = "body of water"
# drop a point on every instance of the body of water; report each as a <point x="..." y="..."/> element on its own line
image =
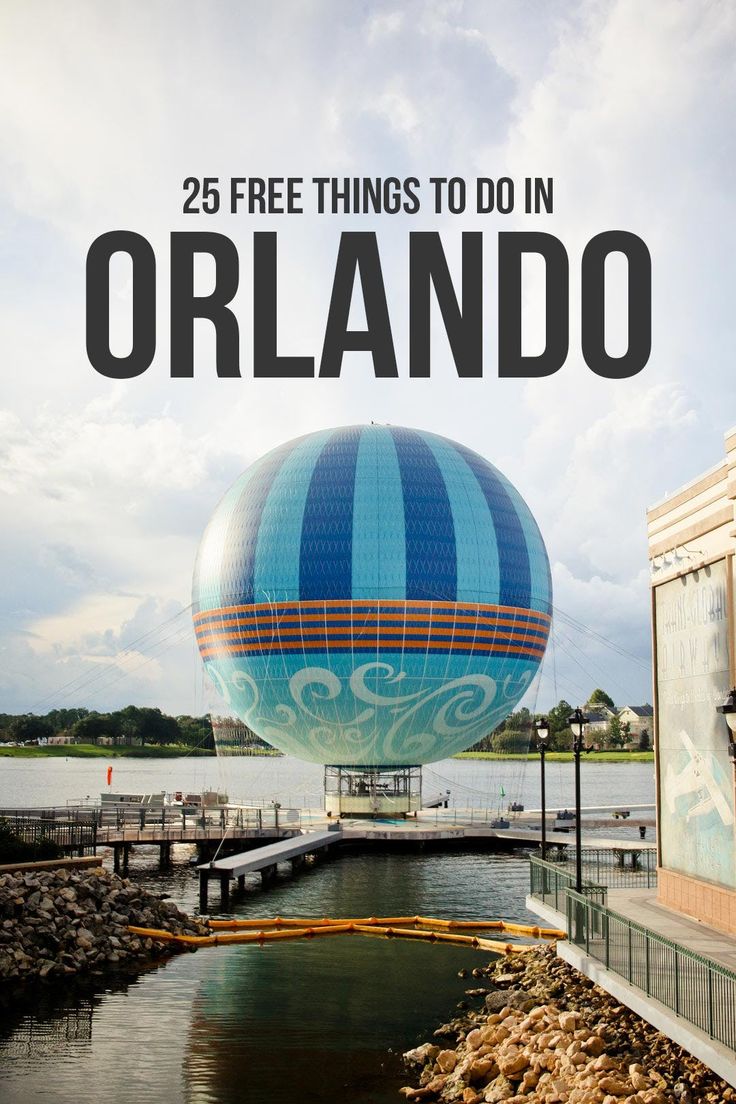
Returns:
<point x="294" y="1022"/>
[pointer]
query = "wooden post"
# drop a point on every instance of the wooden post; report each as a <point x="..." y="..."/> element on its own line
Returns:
<point x="126" y="856"/>
<point x="203" y="888"/>
<point x="224" y="891"/>
<point x="241" y="882"/>
<point x="116" y="859"/>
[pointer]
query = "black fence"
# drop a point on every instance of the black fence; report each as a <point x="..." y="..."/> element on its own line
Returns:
<point x="75" y="832"/>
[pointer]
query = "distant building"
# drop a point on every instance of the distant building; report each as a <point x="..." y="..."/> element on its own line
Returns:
<point x="639" y="718"/>
<point x="598" y="720"/>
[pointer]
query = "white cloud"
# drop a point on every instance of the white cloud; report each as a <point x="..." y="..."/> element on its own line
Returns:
<point x="105" y="487"/>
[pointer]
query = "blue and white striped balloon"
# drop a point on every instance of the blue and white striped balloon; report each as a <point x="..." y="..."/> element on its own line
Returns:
<point x="372" y="596"/>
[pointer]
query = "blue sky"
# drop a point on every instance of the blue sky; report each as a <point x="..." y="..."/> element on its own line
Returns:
<point x="106" y="487"/>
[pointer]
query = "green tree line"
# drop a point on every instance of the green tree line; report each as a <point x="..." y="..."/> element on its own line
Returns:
<point x="516" y="734"/>
<point x="134" y="724"/>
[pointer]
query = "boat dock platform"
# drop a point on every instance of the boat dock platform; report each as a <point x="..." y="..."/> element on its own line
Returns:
<point x="262" y="860"/>
<point x="294" y="849"/>
<point x="241" y="828"/>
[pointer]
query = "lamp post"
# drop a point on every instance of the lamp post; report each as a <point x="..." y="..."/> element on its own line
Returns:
<point x="577" y="722"/>
<point x="728" y="711"/>
<point x="541" y="726"/>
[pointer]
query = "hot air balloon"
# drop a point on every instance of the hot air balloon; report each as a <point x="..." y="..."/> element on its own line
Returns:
<point x="372" y="597"/>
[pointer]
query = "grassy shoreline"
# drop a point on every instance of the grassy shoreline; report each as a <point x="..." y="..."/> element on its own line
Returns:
<point x="92" y="751"/>
<point x="564" y="756"/>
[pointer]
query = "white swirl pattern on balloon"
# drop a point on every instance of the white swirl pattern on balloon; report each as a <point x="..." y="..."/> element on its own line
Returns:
<point x="393" y="728"/>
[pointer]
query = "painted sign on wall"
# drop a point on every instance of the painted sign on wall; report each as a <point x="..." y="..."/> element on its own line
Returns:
<point x="696" y="806"/>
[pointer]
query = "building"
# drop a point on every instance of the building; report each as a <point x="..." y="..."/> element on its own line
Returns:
<point x="599" y="718"/>
<point x="692" y="540"/>
<point x="639" y="718"/>
<point x="662" y="939"/>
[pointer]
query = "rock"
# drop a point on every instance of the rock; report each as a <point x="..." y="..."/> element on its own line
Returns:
<point x="419" y="1055"/>
<point x="446" y="1060"/>
<point x="474" y="1038"/>
<point x="512" y="1061"/>
<point x="482" y="1069"/>
<point x="603" y="1063"/>
<point x="505" y="998"/>
<point x="569" y="1020"/>
<point x="584" y="1049"/>
<point x="499" y="1089"/>
<point x="614" y="1086"/>
<point x="594" y="1045"/>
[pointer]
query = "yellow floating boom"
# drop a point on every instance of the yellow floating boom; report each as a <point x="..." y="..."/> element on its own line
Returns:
<point x="478" y="925"/>
<point x="265" y="931"/>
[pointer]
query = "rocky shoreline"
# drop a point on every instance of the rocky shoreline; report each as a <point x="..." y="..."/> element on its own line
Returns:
<point x="545" y="1034"/>
<point x="59" y="922"/>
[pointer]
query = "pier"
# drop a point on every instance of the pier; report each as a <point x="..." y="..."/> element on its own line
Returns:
<point x="248" y="829"/>
<point x="263" y="860"/>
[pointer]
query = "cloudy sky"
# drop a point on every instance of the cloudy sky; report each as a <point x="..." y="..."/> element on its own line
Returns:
<point x="106" y="487"/>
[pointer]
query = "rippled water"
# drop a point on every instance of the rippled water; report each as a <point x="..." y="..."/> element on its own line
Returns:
<point x="290" y="1023"/>
<point x="472" y="783"/>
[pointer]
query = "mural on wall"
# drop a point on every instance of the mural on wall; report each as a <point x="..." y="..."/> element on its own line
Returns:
<point x="695" y="775"/>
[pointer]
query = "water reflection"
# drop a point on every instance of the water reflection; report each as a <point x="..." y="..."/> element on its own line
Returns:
<point x="317" y="1021"/>
<point x="305" y="1021"/>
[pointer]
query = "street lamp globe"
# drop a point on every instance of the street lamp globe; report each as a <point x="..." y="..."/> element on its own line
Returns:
<point x="577" y="722"/>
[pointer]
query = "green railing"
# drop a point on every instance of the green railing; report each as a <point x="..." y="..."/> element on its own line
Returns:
<point x="549" y="882"/>
<point x="695" y="988"/>
<point x="615" y="868"/>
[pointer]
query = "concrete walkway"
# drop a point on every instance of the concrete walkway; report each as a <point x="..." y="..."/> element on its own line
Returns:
<point x="640" y="905"/>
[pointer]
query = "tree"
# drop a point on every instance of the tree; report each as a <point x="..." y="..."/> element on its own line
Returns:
<point x="28" y="727"/>
<point x="196" y="731"/>
<point x="517" y="722"/>
<point x="511" y="741"/>
<point x="89" y="729"/>
<point x="600" y="697"/>
<point x="560" y="736"/>
<point x="644" y="741"/>
<point x="616" y="736"/>
<point x="157" y="727"/>
<point x="130" y="720"/>
<point x="61" y="719"/>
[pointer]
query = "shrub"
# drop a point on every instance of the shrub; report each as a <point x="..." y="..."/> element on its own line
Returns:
<point x="511" y="741"/>
<point x="13" y="848"/>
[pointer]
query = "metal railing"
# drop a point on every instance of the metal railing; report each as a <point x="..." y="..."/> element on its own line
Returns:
<point x="68" y="833"/>
<point x="75" y="826"/>
<point x="615" y="868"/>
<point x="549" y="882"/>
<point x="695" y="988"/>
